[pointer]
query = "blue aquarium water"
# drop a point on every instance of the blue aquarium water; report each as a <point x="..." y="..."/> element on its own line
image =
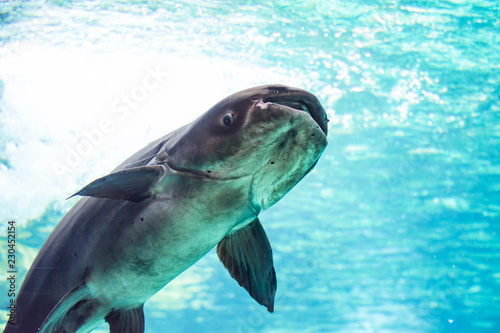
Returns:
<point x="398" y="227"/>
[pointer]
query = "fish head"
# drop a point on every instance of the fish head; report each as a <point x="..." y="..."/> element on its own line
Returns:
<point x="272" y="134"/>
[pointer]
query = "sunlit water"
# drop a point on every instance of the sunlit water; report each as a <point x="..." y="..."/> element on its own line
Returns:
<point x="397" y="228"/>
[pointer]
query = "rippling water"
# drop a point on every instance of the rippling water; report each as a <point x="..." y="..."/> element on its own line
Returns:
<point x="396" y="230"/>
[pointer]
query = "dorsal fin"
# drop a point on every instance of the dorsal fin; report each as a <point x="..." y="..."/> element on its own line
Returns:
<point x="134" y="184"/>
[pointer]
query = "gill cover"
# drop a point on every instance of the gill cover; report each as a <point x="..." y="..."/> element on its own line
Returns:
<point x="236" y="135"/>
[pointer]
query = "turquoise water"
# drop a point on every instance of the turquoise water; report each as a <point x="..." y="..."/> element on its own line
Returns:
<point x="398" y="227"/>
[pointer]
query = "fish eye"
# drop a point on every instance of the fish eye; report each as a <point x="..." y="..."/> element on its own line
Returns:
<point x="227" y="120"/>
<point x="275" y="91"/>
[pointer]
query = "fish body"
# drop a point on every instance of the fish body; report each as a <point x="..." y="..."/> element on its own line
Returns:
<point x="166" y="206"/>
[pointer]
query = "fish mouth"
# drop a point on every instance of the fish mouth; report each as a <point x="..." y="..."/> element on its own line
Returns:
<point x="304" y="102"/>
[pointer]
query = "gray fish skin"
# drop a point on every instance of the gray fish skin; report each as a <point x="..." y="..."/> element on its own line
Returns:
<point x="166" y="206"/>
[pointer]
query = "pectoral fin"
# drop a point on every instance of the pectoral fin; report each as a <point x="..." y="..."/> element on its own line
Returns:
<point x="248" y="257"/>
<point x="126" y="321"/>
<point x="134" y="184"/>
